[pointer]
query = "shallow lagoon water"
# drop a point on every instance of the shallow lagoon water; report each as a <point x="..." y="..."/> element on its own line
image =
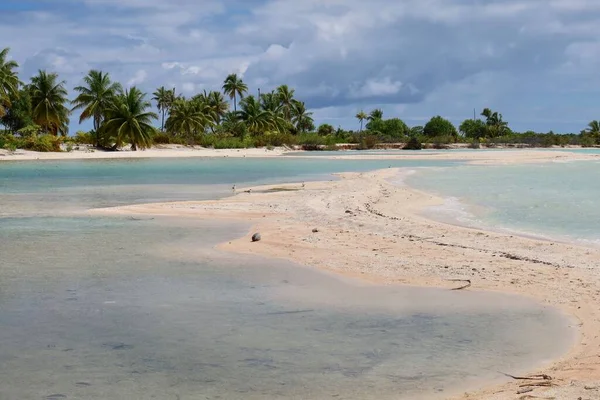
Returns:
<point x="102" y="308"/>
<point x="118" y="308"/>
<point x="556" y="200"/>
<point x="51" y="187"/>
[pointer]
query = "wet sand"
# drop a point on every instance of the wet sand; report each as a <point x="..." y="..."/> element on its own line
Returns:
<point x="363" y="226"/>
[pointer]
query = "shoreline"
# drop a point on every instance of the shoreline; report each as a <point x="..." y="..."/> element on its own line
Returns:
<point x="471" y="156"/>
<point x="407" y="248"/>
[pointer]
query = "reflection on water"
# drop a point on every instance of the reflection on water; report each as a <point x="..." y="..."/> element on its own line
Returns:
<point x="117" y="309"/>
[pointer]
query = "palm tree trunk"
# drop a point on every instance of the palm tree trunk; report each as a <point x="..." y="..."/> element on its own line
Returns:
<point x="234" y="103"/>
<point x="361" y="125"/>
<point x="96" y="127"/>
<point x="162" y="125"/>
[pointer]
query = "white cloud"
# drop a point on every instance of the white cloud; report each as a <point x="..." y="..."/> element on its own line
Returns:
<point x="376" y="87"/>
<point x="138" y="78"/>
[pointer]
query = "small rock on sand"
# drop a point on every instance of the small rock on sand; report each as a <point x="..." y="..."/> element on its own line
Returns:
<point x="256" y="237"/>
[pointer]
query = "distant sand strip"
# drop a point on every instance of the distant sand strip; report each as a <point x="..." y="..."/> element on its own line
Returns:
<point x="178" y="151"/>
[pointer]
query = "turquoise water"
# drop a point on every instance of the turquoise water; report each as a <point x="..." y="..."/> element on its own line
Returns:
<point x="553" y="200"/>
<point x="54" y="187"/>
<point x="110" y="308"/>
<point x="387" y="152"/>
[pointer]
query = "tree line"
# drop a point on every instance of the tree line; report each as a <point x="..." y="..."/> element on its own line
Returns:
<point x="125" y="116"/>
<point x="38" y="114"/>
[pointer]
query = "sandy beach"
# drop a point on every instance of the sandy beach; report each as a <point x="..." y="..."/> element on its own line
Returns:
<point x="505" y="156"/>
<point x="165" y="151"/>
<point x="365" y="227"/>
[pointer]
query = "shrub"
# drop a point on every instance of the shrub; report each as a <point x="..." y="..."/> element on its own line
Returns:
<point x="438" y="126"/>
<point x="9" y="142"/>
<point x="441" y="142"/>
<point x="82" y="137"/>
<point x="368" y="142"/>
<point x="325" y="130"/>
<point x="413" y="144"/>
<point x="587" y="141"/>
<point x="275" y="139"/>
<point x="474" y="144"/>
<point x="43" y="143"/>
<point x="231" y="143"/>
<point x="312" y="141"/>
<point x="29" y="131"/>
<point x="161" y="138"/>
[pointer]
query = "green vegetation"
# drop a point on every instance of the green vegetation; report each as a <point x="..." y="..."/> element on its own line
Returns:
<point x="35" y="115"/>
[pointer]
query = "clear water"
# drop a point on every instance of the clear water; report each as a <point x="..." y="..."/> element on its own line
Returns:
<point x="51" y="187"/>
<point x="103" y="308"/>
<point x="388" y="152"/>
<point x="553" y="200"/>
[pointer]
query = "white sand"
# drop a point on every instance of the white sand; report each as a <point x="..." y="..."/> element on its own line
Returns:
<point x="167" y="151"/>
<point x="179" y="151"/>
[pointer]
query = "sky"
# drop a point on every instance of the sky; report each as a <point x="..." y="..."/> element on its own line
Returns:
<point x="534" y="61"/>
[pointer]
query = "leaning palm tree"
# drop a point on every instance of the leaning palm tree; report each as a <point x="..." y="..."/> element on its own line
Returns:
<point x="188" y="117"/>
<point x="286" y="97"/>
<point x="48" y="103"/>
<point x="95" y="97"/>
<point x="301" y="118"/>
<point x="127" y="120"/>
<point x="375" y="114"/>
<point x="361" y="116"/>
<point x="9" y="81"/>
<point x="495" y="125"/>
<point x="234" y="87"/>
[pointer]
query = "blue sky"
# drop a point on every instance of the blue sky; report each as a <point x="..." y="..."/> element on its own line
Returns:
<point x="535" y="61"/>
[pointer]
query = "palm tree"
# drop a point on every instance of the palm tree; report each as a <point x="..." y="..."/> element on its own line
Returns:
<point x="9" y="81"/>
<point x="233" y="87"/>
<point x="96" y="97"/>
<point x="594" y="129"/>
<point x="257" y="119"/>
<point x="270" y="102"/>
<point x="48" y="99"/>
<point x="164" y="99"/>
<point x="232" y="124"/>
<point x="127" y="119"/>
<point x="217" y="104"/>
<point x="301" y="118"/>
<point x="188" y="117"/>
<point x="286" y="97"/>
<point x="375" y="114"/>
<point x="361" y="116"/>
<point x="495" y="125"/>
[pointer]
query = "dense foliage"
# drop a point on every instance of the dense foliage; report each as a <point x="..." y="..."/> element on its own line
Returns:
<point x="36" y="115"/>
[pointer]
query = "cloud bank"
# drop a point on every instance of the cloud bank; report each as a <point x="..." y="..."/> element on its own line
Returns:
<point x="533" y="60"/>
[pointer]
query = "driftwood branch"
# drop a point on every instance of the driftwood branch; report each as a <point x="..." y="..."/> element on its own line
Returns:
<point x="536" y="377"/>
<point x="468" y="281"/>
